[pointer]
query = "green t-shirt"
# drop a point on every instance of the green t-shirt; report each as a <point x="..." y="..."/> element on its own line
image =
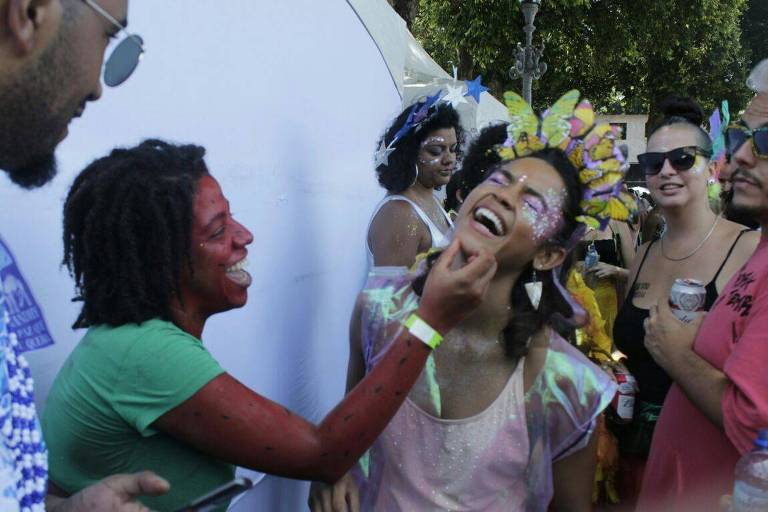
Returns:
<point x="113" y="386"/>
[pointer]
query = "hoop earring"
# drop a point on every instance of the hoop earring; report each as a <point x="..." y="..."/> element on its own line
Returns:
<point x="533" y="289"/>
<point x="415" y="175"/>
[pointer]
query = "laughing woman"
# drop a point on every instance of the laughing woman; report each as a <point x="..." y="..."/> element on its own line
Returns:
<point x="417" y="155"/>
<point x="504" y="420"/>
<point x="155" y="251"/>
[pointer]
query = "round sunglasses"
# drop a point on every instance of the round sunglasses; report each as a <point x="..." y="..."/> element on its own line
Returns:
<point x="737" y="134"/>
<point x="126" y="56"/>
<point x="681" y="159"/>
<point x="123" y="60"/>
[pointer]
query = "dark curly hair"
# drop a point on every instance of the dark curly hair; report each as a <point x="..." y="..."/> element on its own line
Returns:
<point x="127" y="231"/>
<point x="399" y="174"/>
<point x="526" y="320"/>
<point x="479" y="157"/>
<point x="683" y="110"/>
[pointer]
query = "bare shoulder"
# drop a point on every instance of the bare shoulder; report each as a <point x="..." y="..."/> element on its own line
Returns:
<point x="747" y="242"/>
<point x="641" y="252"/>
<point x="395" y="216"/>
<point x="742" y="251"/>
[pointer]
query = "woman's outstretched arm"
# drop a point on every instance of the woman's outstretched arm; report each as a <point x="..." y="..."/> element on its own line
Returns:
<point x="231" y="422"/>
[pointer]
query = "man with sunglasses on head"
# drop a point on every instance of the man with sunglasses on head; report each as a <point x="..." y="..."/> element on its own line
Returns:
<point x="51" y="54"/>
<point x="719" y="399"/>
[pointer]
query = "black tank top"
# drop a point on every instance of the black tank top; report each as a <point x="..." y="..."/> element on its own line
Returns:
<point x="629" y="332"/>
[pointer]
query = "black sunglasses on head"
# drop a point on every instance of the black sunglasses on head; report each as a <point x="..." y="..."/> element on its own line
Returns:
<point x="681" y="159"/>
<point x="737" y="134"/>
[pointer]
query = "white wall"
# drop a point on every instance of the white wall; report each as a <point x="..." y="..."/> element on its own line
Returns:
<point x="289" y="98"/>
<point x="634" y="136"/>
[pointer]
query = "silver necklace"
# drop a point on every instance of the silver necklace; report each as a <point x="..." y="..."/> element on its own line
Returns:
<point x="696" y="249"/>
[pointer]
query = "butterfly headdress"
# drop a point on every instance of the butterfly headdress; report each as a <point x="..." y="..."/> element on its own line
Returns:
<point x="593" y="150"/>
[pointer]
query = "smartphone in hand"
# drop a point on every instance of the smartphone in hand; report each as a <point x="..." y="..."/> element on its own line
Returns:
<point x="218" y="496"/>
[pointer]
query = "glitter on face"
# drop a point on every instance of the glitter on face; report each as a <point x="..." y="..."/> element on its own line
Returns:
<point x="433" y="141"/>
<point x="545" y="217"/>
<point x="434" y="152"/>
<point x="699" y="165"/>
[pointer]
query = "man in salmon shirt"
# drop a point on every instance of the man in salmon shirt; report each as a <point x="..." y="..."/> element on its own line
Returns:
<point x="719" y="399"/>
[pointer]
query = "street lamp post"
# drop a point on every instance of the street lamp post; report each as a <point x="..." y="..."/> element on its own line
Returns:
<point x="527" y="58"/>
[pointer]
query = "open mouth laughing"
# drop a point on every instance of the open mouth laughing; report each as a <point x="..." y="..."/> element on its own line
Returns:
<point x="238" y="274"/>
<point x="490" y="221"/>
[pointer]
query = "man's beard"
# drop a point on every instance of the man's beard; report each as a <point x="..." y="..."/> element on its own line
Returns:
<point x="740" y="215"/>
<point x="30" y="126"/>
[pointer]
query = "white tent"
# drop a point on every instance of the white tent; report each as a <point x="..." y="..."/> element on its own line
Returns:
<point x="413" y="71"/>
<point x="289" y="98"/>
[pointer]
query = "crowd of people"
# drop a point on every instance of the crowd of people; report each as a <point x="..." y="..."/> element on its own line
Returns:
<point x="466" y="390"/>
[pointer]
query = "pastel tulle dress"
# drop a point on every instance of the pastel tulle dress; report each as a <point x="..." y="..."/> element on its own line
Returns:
<point x="498" y="460"/>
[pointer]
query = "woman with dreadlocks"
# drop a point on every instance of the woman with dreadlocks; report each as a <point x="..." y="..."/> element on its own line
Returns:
<point x="416" y="156"/>
<point x="154" y="251"/>
<point x="503" y="420"/>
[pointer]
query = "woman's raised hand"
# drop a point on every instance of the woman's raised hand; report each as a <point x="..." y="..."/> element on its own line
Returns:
<point x="451" y="293"/>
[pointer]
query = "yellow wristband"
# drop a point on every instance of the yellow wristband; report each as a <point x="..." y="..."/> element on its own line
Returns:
<point x="421" y="330"/>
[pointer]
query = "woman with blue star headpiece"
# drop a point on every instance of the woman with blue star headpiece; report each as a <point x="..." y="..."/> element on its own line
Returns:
<point x="416" y="156"/>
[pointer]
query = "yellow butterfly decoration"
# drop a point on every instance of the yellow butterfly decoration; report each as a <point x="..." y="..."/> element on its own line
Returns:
<point x="556" y="125"/>
<point x="522" y="119"/>
<point x="617" y="208"/>
<point x="570" y="126"/>
<point x="602" y="180"/>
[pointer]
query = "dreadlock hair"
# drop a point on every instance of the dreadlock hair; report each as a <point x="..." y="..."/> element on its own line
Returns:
<point x="527" y="320"/>
<point x="127" y="231"/>
<point x="400" y="172"/>
<point x="685" y="111"/>
<point x="479" y="157"/>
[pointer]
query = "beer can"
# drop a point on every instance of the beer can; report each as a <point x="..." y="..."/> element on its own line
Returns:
<point x="687" y="299"/>
<point x="624" y="400"/>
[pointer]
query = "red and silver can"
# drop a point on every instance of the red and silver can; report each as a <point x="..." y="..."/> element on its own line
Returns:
<point x="624" y="400"/>
<point x="687" y="299"/>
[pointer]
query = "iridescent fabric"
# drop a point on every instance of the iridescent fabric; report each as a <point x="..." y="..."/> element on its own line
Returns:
<point x="498" y="460"/>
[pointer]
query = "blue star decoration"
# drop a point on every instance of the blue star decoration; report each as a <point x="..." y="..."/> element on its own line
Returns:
<point x="475" y="88"/>
<point x="422" y="113"/>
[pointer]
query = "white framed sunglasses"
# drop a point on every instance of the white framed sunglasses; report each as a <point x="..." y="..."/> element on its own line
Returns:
<point x="124" y="59"/>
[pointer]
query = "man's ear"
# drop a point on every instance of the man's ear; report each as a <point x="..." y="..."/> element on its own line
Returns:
<point x="26" y="21"/>
<point x="549" y="257"/>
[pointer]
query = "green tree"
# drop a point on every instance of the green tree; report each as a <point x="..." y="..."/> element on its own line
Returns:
<point x="625" y="55"/>
<point x="755" y="28"/>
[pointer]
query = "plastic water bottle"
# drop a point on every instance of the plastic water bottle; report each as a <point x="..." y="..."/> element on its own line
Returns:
<point x="590" y="260"/>
<point x="750" y="490"/>
<point x="592" y="257"/>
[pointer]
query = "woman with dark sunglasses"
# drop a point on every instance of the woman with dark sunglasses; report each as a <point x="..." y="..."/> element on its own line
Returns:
<point x="696" y="244"/>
